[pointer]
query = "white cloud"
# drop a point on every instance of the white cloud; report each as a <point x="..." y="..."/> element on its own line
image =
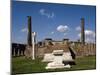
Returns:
<point x="52" y="32"/>
<point x="89" y="33"/>
<point x="24" y="30"/>
<point x="62" y="28"/>
<point x="78" y="28"/>
<point x="90" y="40"/>
<point x="42" y="11"/>
<point x="89" y="36"/>
<point x="79" y="35"/>
<point x="46" y="13"/>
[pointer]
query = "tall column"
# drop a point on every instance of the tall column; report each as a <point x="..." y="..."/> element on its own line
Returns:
<point x="82" y="31"/>
<point x="28" y="51"/>
<point x="29" y="32"/>
<point x="33" y="44"/>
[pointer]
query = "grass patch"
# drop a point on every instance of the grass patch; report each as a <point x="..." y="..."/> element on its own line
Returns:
<point x="21" y="65"/>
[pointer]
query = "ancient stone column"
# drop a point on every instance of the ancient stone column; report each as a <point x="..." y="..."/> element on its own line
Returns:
<point x="82" y="31"/>
<point x="28" y="51"/>
<point x="33" y="45"/>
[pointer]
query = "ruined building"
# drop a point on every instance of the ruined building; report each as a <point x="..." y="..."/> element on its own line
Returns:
<point x="81" y="48"/>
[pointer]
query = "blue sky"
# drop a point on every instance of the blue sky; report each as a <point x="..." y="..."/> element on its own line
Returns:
<point x="56" y="21"/>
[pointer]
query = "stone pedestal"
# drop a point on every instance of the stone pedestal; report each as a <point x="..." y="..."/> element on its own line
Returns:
<point x="49" y="57"/>
<point x="57" y="63"/>
<point x="58" y="56"/>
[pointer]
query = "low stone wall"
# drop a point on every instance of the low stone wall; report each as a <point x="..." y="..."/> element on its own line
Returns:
<point x="78" y="48"/>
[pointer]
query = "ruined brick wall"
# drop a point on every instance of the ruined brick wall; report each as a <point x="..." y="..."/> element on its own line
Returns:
<point x="78" y="48"/>
<point x="85" y="50"/>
